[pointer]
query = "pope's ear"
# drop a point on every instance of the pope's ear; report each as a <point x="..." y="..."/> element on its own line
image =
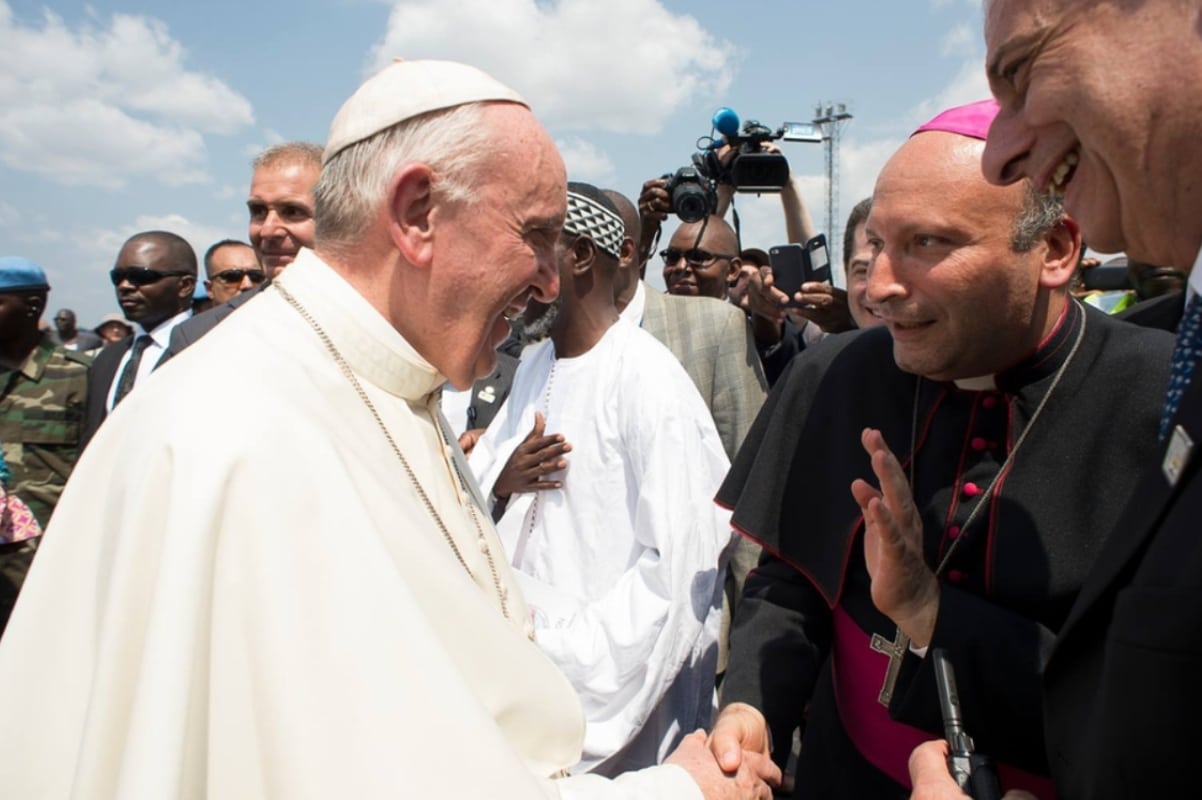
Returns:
<point x="412" y="210"/>
<point x="1062" y="253"/>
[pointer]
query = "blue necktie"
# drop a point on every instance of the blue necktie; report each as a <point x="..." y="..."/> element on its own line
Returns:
<point x="1185" y="356"/>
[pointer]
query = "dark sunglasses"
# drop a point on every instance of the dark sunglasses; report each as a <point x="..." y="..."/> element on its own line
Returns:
<point x="232" y="277"/>
<point x="697" y="256"/>
<point x="141" y="276"/>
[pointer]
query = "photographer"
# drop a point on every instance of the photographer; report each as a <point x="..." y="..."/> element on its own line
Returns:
<point x="655" y="204"/>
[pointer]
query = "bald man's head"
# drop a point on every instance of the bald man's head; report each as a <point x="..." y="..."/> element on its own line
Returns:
<point x="629" y="269"/>
<point x="702" y="259"/>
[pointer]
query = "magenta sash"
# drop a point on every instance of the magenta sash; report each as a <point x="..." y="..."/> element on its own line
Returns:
<point x="859" y="672"/>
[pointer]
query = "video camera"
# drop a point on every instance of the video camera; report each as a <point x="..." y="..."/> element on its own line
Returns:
<point x="751" y="169"/>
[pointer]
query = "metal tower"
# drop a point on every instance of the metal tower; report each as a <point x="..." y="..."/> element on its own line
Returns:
<point x="829" y="118"/>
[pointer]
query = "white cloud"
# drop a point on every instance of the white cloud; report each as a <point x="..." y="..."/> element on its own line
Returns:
<point x="625" y="65"/>
<point x="270" y="139"/>
<point x="967" y="86"/>
<point x="9" y="216"/>
<point x="963" y="40"/>
<point x="585" y="162"/>
<point x="105" y="244"/>
<point x="861" y="163"/>
<point x="98" y="105"/>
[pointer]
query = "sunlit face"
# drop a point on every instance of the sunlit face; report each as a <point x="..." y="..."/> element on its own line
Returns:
<point x="498" y="250"/>
<point x="1090" y="108"/>
<point x="957" y="299"/>
<point x="857" y="280"/>
<point x="281" y="212"/>
<point x="220" y="284"/>
<point x="709" y="276"/>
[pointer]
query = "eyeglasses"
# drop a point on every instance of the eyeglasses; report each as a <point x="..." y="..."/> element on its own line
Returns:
<point x="142" y="276"/>
<point x="233" y="277"/>
<point x="694" y="256"/>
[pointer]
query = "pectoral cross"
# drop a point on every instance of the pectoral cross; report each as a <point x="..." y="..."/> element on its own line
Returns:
<point x="896" y="650"/>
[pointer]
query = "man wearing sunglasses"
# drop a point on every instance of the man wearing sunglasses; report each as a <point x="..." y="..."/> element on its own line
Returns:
<point x="233" y="270"/>
<point x="702" y="259"/>
<point x="154" y="276"/>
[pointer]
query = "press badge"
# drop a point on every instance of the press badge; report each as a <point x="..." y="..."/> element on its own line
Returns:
<point x="1181" y="447"/>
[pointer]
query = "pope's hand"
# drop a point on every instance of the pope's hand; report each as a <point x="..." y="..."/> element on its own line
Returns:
<point x="903" y="587"/>
<point x="753" y="779"/>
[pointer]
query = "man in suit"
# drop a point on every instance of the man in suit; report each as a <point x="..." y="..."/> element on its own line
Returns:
<point x="281" y="223"/>
<point x="154" y="275"/>
<point x="1115" y="131"/>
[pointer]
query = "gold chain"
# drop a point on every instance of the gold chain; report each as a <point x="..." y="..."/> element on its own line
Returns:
<point x="502" y="594"/>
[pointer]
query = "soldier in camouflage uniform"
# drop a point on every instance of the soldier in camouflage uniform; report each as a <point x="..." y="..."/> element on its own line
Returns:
<point x="43" y="390"/>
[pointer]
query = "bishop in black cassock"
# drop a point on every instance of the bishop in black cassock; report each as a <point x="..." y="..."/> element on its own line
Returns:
<point x="808" y="634"/>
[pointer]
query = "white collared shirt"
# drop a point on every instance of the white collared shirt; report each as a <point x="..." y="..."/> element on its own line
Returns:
<point x="160" y="335"/>
<point x="633" y="313"/>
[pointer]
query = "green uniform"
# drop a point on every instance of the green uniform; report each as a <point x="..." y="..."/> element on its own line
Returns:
<point x="41" y="414"/>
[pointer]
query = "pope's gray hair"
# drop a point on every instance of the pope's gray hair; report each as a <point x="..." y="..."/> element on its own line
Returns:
<point x="454" y="143"/>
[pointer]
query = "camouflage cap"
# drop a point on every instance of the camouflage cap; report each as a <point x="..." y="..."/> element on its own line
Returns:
<point x="21" y="275"/>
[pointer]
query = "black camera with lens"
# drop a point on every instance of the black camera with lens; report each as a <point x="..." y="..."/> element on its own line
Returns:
<point x="694" y="196"/>
<point x="751" y="168"/>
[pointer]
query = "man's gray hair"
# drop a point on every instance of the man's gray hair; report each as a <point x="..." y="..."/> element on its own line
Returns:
<point x="305" y="154"/>
<point x="454" y="143"/>
<point x="1041" y="212"/>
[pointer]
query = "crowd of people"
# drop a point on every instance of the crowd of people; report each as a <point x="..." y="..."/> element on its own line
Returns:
<point x="509" y="522"/>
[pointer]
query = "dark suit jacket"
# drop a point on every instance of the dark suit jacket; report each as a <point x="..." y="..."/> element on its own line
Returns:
<point x="190" y="330"/>
<point x="1162" y="312"/>
<point x="489" y="393"/>
<point x="100" y="379"/>
<point x="1123" y="686"/>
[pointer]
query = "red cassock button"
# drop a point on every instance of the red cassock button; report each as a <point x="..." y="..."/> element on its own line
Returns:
<point x="977" y="443"/>
<point x="956" y="576"/>
<point x="971" y="490"/>
<point x="989" y="402"/>
<point x="953" y="531"/>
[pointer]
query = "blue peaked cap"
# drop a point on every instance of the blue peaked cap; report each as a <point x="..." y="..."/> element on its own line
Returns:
<point x="19" y="274"/>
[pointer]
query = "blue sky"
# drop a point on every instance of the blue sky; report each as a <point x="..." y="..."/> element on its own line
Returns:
<point x="117" y="117"/>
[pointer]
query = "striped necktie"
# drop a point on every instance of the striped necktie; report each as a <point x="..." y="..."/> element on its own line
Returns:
<point x="1185" y="357"/>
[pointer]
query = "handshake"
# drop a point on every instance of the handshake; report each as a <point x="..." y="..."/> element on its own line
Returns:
<point x="733" y="762"/>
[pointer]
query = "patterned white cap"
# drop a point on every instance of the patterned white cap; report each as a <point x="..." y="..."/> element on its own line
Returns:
<point x="407" y="89"/>
<point x="589" y="218"/>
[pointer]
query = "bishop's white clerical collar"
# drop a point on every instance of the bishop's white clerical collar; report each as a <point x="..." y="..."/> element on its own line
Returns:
<point x="985" y="383"/>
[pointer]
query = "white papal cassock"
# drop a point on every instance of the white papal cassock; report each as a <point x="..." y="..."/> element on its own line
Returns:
<point x="241" y="594"/>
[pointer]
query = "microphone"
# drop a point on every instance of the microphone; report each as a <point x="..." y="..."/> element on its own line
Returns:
<point x="726" y="122"/>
